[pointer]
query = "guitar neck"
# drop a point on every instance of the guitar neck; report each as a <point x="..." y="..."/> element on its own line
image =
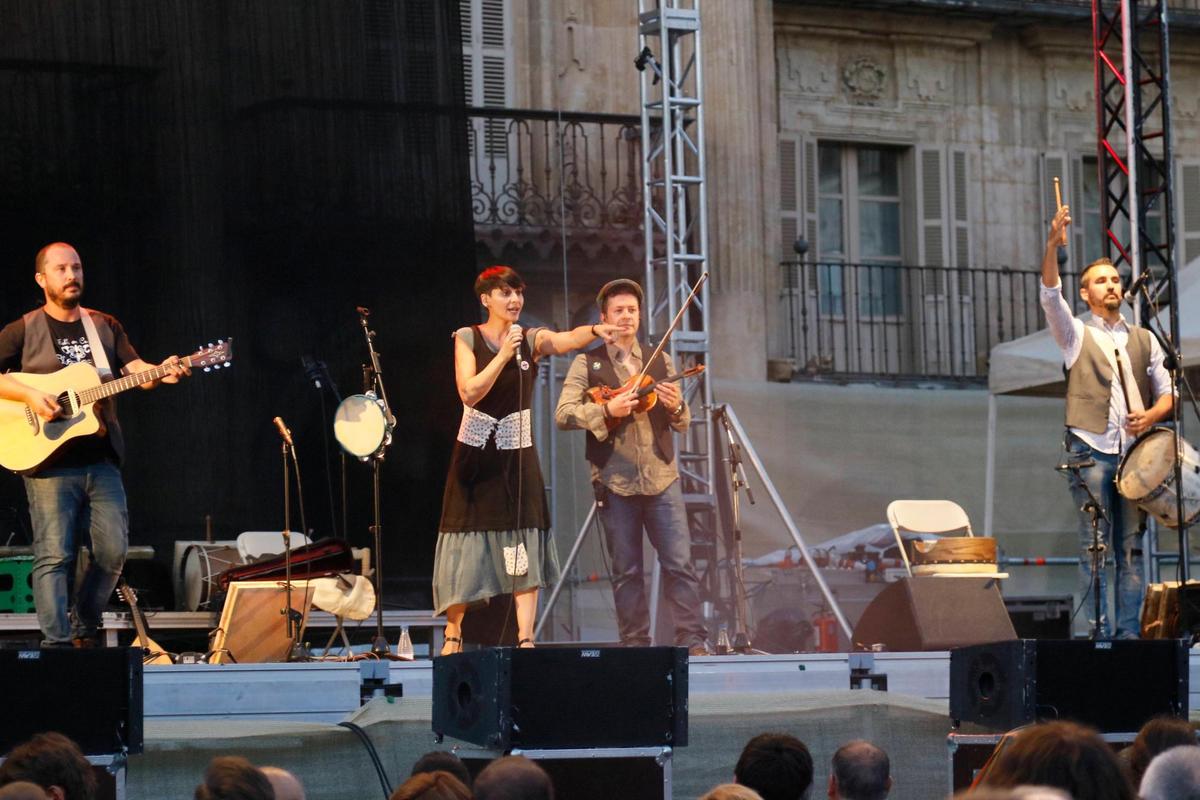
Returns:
<point x="127" y="382"/>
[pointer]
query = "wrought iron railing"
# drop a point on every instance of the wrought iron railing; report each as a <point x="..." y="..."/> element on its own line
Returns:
<point x="904" y="321"/>
<point x="551" y="170"/>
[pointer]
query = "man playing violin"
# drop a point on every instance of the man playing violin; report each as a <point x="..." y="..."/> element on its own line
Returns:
<point x="634" y="475"/>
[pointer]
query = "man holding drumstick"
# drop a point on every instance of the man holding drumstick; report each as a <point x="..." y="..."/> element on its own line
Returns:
<point x="1117" y="388"/>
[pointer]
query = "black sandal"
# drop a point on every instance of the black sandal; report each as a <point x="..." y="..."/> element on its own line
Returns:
<point x="452" y="640"/>
<point x="522" y="642"/>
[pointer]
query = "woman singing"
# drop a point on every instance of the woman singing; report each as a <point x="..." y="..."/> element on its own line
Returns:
<point x="494" y="536"/>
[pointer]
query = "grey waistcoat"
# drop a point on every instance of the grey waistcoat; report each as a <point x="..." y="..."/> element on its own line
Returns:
<point x="1089" y="380"/>
<point x="39" y="357"/>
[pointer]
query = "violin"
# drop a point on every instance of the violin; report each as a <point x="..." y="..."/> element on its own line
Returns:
<point x="647" y="397"/>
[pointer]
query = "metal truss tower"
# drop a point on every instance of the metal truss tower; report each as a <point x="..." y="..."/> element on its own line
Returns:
<point x="675" y="227"/>
<point x="1135" y="168"/>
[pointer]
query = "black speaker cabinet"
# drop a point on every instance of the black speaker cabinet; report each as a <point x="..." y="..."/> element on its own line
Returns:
<point x="1113" y="686"/>
<point x="91" y="696"/>
<point x="551" y="697"/>
<point x="935" y="613"/>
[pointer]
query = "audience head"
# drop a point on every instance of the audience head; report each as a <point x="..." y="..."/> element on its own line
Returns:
<point x="53" y="762"/>
<point x="1156" y="736"/>
<point x="1173" y="775"/>
<point x="436" y="785"/>
<point x="234" y="778"/>
<point x="776" y="765"/>
<point x="1015" y="793"/>
<point x="285" y="785"/>
<point x="513" y="778"/>
<point x="444" y="761"/>
<point x="22" y="790"/>
<point x="731" y="791"/>
<point x="1063" y="755"/>
<point x="861" y="771"/>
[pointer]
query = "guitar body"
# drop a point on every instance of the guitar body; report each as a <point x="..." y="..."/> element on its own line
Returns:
<point x="153" y="650"/>
<point x="26" y="440"/>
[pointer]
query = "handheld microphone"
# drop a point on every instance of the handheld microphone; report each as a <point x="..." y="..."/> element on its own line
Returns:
<point x="1135" y="287"/>
<point x="1070" y="466"/>
<point x="283" y="431"/>
<point x="522" y="363"/>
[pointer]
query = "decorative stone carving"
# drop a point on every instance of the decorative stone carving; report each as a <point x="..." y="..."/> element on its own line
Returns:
<point x="864" y="80"/>
<point x="806" y="66"/>
<point x="929" y="79"/>
<point x="573" y="59"/>
<point x="1073" y="88"/>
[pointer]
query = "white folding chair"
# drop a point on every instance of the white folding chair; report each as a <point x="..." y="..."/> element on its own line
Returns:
<point x="925" y="516"/>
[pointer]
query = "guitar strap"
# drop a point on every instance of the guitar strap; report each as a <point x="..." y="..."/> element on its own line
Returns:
<point x="99" y="357"/>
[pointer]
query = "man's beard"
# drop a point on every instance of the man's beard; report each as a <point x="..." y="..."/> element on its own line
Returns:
<point x="1112" y="303"/>
<point x="62" y="301"/>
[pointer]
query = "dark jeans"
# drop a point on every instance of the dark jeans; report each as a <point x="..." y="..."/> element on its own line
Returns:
<point x="663" y="518"/>
<point x="69" y="507"/>
<point x="1121" y="538"/>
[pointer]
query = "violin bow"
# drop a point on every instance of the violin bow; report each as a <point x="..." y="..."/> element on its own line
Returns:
<point x="671" y="328"/>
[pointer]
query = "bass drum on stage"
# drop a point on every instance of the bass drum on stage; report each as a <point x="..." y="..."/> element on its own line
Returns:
<point x="1146" y="476"/>
<point x="200" y="570"/>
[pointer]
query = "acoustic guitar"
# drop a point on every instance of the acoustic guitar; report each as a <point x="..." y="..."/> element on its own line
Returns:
<point x="152" y="652"/>
<point x="26" y="440"/>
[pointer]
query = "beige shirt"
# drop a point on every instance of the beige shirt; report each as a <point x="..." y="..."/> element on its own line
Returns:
<point x="635" y="466"/>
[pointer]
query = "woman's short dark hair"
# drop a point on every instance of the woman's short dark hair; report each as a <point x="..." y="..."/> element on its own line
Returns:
<point x="51" y="759"/>
<point x="234" y="778"/>
<point x="1156" y="736"/>
<point x="1064" y="755"/>
<point x="495" y="277"/>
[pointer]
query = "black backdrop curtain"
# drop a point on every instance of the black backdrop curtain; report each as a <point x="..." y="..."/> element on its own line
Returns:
<point x="254" y="169"/>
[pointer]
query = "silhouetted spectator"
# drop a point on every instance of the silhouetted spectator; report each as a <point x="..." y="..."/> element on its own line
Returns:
<point x="1015" y="793"/>
<point x="1064" y="755"/>
<point x="436" y="785"/>
<point x="53" y="762"/>
<point x="22" y="790"/>
<point x="1173" y="775"/>
<point x="445" y="761"/>
<point x="234" y="778"/>
<point x="285" y="785"/>
<point x="1156" y="736"/>
<point x="731" y="791"/>
<point x="861" y="771"/>
<point x="776" y="765"/>
<point x="513" y="778"/>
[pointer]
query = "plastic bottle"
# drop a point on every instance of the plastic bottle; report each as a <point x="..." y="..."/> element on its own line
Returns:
<point x="722" y="641"/>
<point x="404" y="648"/>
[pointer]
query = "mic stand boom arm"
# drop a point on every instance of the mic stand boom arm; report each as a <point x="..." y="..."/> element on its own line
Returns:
<point x="379" y="645"/>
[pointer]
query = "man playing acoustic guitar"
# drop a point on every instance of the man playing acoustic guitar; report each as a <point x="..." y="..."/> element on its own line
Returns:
<point x="77" y="497"/>
<point x="634" y="473"/>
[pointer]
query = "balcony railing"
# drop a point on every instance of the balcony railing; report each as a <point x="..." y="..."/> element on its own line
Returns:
<point x="903" y="321"/>
<point x="544" y="170"/>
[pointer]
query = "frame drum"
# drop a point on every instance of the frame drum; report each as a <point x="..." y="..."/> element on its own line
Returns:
<point x="361" y="426"/>
<point x="201" y="569"/>
<point x="1146" y="476"/>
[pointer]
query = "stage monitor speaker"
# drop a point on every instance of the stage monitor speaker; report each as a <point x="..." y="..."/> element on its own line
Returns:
<point x="932" y="613"/>
<point x="1113" y="686"/>
<point x="93" y="696"/>
<point x="563" y="697"/>
<point x="253" y="629"/>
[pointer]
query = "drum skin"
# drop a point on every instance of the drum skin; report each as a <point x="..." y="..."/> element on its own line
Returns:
<point x="1146" y="476"/>
<point x="360" y="425"/>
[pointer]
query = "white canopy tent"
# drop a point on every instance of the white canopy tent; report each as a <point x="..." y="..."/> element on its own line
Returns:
<point x="1033" y="366"/>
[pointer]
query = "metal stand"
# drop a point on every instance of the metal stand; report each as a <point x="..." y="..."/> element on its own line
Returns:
<point x="737" y="481"/>
<point x="292" y="617"/>
<point x="1096" y="549"/>
<point x="379" y="645"/>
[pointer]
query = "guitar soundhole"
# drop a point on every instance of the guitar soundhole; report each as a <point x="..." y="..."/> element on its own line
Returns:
<point x="64" y="402"/>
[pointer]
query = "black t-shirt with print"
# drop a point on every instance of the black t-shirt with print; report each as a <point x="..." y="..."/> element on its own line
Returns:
<point x="71" y="346"/>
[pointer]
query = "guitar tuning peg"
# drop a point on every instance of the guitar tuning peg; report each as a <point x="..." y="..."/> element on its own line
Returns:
<point x="208" y="369"/>
<point x="228" y="363"/>
<point x="210" y="344"/>
<point x="220" y="341"/>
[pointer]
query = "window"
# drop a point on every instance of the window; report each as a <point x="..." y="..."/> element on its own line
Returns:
<point x="859" y="217"/>
<point x="486" y="67"/>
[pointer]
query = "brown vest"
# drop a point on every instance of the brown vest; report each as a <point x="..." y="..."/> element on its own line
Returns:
<point x="602" y="372"/>
<point x="1089" y="380"/>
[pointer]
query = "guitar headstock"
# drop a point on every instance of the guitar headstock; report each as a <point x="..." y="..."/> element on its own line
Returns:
<point x="126" y="593"/>
<point x="214" y="356"/>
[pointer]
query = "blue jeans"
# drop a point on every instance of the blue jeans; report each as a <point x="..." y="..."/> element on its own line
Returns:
<point x="1121" y="537"/>
<point x="663" y="517"/>
<point x="69" y="507"/>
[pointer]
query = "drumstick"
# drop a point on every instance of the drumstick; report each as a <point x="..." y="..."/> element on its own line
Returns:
<point x="1058" y="203"/>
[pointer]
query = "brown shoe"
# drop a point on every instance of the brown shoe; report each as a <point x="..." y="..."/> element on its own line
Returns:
<point x="86" y="642"/>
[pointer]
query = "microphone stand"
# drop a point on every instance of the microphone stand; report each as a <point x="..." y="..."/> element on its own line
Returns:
<point x="379" y="645"/>
<point x="1092" y="507"/>
<point x="737" y="481"/>
<point x="290" y="615"/>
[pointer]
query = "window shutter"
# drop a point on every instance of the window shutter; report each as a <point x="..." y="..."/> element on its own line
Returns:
<point x="1051" y="165"/>
<point x="960" y="217"/>
<point x="808" y="179"/>
<point x="931" y="239"/>
<point x="1187" y="200"/>
<point x="789" y="200"/>
<point x="1075" y="201"/>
